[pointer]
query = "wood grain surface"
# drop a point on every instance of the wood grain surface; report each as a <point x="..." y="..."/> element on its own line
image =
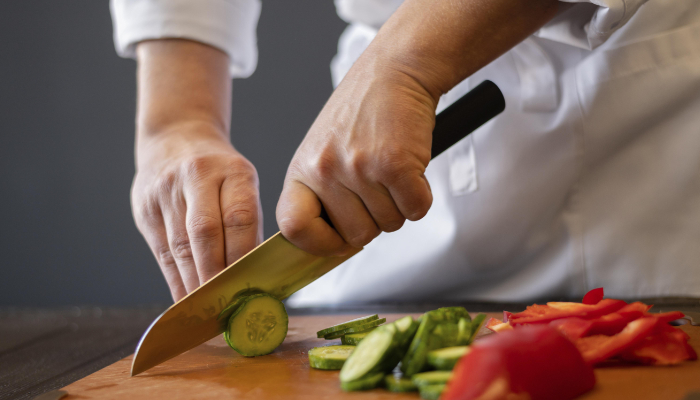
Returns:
<point x="214" y="371"/>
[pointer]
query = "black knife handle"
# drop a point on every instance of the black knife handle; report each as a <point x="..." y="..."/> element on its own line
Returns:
<point x="460" y="119"/>
<point x="465" y="115"/>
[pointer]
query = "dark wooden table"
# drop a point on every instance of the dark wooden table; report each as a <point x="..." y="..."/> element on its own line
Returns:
<point x="46" y="349"/>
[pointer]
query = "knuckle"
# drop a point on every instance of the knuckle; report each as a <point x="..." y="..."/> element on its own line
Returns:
<point x="323" y="166"/>
<point x="418" y="208"/>
<point x="239" y="218"/>
<point x="203" y="227"/>
<point x="362" y="238"/>
<point x="166" y="260"/>
<point x="292" y="228"/>
<point x="392" y="225"/>
<point x="180" y="248"/>
<point x="357" y="162"/>
<point x="197" y="165"/>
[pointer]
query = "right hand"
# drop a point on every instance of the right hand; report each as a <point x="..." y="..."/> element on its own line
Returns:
<point x="195" y="200"/>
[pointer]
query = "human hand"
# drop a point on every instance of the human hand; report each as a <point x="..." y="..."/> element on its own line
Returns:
<point x="195" y="201"/>
<point x="194" y="198"/>
<point x="363" y="161"/>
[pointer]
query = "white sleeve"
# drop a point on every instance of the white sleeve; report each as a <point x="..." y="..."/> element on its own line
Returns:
<point x="589" y="26"/>
<point x="228" y="25"/>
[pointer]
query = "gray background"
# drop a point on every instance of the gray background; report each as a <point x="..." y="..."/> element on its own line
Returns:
<point x="67" y="107"/>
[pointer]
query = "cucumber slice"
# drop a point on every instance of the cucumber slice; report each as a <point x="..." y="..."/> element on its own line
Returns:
<point x="329" y="357"/>
<point x="258" y="326"/>
<point x="394" y="384"/>
<point x="226" y="313"/>
<point x="369" y="382"/>
<point x="406" y="328"/>
<point x="431" y="378"/>
<point x="353" y="339"/>
<point x="445" y="359"/>
<point x="414" y="359"/>
<point x="347" y="324"/>
<point x="432" y="392"/>
<point x="355" y="329"/>
<point x="476" y="325"/>
<point x="445" y="334"/>
<point x="464" y="332"/>
<point x="452" y="314"/>
<point x="373" y="354"/>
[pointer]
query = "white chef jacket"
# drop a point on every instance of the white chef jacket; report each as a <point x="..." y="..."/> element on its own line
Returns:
<point x="590" y="177"/>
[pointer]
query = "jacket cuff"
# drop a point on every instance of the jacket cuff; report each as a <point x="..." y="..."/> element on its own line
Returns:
<point x="229" y="25"/>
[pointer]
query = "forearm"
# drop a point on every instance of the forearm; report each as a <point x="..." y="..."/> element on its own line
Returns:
<point x="440" y="43"/>
<point x="181" y="82"/>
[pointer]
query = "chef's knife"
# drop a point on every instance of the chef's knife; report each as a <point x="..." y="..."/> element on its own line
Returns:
<point x="278" y="267"/>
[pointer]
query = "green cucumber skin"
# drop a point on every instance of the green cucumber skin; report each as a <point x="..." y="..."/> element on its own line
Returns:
<point x="353" y="339"/>
<point x="399" y="385"/>
<point x="431" y="378"/>
<point x="432" y="392"/>
<point x="370" y="381"/>
<point x="476" y="325"/>
<point x="284" y="321"/>
<point x="319" y="361"/>
<point x="356" y="329"/>
<point x="335" y="328"/>
<point x="414" y="359"/>
<point x="452" y="314"/>
<point x="351" y="371"/>
<point x="443" y="362"/>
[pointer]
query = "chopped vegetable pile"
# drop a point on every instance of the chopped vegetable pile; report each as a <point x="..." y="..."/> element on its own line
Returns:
<point x="546" y="352"/>
<point x="427" y="350"/>
<point x="605" y="329"/>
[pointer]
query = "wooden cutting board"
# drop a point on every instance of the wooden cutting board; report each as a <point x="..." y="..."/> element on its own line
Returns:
<point x="214" y="371"/>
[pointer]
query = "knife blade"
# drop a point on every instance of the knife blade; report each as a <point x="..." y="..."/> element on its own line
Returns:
<point x="277" y="266"/>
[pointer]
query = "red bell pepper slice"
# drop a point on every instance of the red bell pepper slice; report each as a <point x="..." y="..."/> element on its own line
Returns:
<point x="496" y="325"/>
<point x="598" y="348"/>
<point x="668" y="346"/>
<point x="535" y="362"/>
<point x="539" y="314"/>
<point x="593" y="296"/>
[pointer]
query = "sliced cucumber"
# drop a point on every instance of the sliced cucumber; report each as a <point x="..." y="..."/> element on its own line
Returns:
<point x="464" y="332"/>
<point x="406" y="328"/>
<point x="395" y="384"/>
<point x="431" y="378"/>
<point x="373" y="354"/>
<point x="347" y="324"/>
<point x="258" y="326"/>
<point x="432" y="392"/>
<point x="476" y="325"/>
<point x="445" y="359"/>
<point x="371" y="381"/>
<point x="445" y="334"/>
<point x="355" y="329"/>
<point x="353" y="339"/>
<point x="452" y="314"/>
<point x="414" y="359"/>
<point x="329" y="357"/>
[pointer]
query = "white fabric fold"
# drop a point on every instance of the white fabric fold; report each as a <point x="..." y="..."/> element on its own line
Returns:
<point x="228" y="25"/>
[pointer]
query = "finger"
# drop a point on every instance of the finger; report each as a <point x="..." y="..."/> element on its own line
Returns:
<point x="412" y="195"/>
<point x="150" y="224"/>
<point x="241" y="215"/>
<point x="299" y="219"/>
<point x="205" y="229"/>
<point x="381" y="207"/>
<point x="349" y="215"/>
<point x="174" y="217"/>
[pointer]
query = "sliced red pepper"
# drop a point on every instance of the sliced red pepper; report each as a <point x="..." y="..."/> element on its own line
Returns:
<point x="634" y="310"/>
<point x="593" y="296"/>
<point x="668" y="346"/>
<point x="535" y="362"/>
<point x="598" y="348"/>
<point x="496" y="325"/>
<point x="538" y="314"/>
